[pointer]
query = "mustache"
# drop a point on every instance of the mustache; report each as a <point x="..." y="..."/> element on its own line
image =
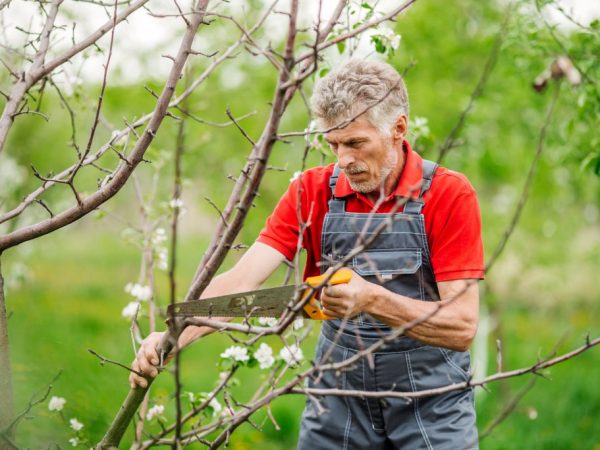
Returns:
<point x="355" y="169"/>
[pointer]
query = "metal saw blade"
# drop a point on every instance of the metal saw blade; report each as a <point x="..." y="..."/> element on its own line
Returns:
<point x="270" y="302"/>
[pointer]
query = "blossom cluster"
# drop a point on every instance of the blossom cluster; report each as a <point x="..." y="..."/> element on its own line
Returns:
<point x="385" y="40"/>
<point x="155" y="411"/>
<point x="141" y="293"/>
<point x="159" y="237"/>
<point x="57" y="404"/>
<point x="292" y="355"/>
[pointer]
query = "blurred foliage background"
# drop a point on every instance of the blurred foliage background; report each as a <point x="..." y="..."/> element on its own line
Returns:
<point x="65" y="291"/>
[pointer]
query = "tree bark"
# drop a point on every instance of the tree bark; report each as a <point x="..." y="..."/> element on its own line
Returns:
<point x="6" y="392"/>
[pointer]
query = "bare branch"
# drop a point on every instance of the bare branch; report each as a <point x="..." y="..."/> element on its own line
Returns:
<point x="124" y="171"/>
<point x="40" y="68"/>
<point x="118" y="135"/>
<point x="104" y="360"/>
<point x="507" y="410"/>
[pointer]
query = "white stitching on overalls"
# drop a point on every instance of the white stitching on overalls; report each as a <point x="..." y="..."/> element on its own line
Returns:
<point x="349" y="419"/>
<point x="460" y="370"/>
<point x="416" y="403"/>
<point x="362" y="364"/>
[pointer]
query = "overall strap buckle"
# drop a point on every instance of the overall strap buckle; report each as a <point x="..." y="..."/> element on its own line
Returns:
<point x="335" y="205"/>
<point x="415" y="206"/>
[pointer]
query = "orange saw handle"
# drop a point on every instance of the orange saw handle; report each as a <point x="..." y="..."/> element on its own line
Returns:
<point x="312" y="307"/>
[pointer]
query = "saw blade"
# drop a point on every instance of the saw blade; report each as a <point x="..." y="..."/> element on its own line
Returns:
<point x="270" y="302"/>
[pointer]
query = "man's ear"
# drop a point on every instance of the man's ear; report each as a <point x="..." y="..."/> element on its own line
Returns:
<point x="400" y="129"/>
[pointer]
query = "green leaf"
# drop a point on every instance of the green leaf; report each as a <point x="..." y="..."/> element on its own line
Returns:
<point x="324" y="71"/>
<point x="341" y="46"/>
<point x="379" y="46"/>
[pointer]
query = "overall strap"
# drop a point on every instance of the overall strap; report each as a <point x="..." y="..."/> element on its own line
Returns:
<point x="335" y="205"/>
<point x="414" y="206"/>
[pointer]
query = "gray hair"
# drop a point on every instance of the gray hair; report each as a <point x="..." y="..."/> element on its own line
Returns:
<point x="356" y="86"/>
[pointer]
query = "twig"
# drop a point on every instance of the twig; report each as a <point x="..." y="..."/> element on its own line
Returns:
<point x="239" y="127"/>
<point x="88" y="146"/>
<point x="508" y="409"/>
<point x="104" y="360"/>
<point x="30" y="405"/>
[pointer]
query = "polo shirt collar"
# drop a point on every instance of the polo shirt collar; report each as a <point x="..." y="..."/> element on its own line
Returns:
<point x="408" y="184"/>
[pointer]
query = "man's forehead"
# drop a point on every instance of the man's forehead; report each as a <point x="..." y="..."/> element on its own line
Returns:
<point x="358" y="127"/>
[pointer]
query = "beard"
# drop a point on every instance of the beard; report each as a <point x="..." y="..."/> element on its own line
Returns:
<point x="375" y="184"/>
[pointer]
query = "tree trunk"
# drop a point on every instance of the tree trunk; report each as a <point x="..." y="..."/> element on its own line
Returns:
<point x="6" y="393"/>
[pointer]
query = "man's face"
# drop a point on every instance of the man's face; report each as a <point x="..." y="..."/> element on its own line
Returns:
<point x="366" y="157"/>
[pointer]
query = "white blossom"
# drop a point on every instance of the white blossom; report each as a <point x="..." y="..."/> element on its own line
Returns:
<point x="176" y="203"/>
<point x="155" y="411"/>
<point x="56" y="403"/>
<point x="216" y="406"/>
<point x="292" y="354"/>
<point x="267" y="321"/>
<point x="75" y="424"/>
<point x="163" y="258"/>
<point x="159" y="236"/>
<point x="223" y="375"/>
<point x="264" y="356"/>
<point x="236" y="353"/>
<point x="74" y="441"/>
<point x="391" y="38"/>
<point x="130" y="310"/>
<point x="139" y="291"/>
<point x="420" y="126"/>
<point x="298" y="323"/>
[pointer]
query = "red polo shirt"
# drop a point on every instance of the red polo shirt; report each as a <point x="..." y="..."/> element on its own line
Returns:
<point x="451" y="211"/>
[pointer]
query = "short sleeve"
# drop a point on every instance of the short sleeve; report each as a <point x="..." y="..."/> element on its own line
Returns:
<point x="281" y="229"/>
<point x="455" y="239"/>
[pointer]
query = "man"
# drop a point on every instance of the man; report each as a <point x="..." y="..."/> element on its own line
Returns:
<point x="421" y="265"/>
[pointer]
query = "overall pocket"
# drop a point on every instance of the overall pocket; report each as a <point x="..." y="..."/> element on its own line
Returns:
<point x="399" y="270"/>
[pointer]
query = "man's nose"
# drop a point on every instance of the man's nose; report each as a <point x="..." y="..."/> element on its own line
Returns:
<point x="345" y="158"/>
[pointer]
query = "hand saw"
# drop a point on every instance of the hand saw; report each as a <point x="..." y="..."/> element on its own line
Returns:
<point x="270" y="302"/>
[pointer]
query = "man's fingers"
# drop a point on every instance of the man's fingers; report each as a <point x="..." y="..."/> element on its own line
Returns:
<point x="151" y="354"/>
<point x="145" y="361"/>
<point x="332" y="312"/>
<point x="147" y="368"/>
<point x="134" y="379"/>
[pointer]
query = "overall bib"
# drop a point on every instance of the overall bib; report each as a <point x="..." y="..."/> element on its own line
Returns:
<point x="398" y="259"/>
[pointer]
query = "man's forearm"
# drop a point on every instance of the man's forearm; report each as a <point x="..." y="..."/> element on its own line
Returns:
<point x="449" y="323"/>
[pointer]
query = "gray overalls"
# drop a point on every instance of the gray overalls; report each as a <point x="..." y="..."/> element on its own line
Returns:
<point x="400" y="255"/>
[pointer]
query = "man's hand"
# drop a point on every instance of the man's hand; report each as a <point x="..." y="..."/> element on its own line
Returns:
<point x="347" y="299"/>
<point x="146" y="360"/>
